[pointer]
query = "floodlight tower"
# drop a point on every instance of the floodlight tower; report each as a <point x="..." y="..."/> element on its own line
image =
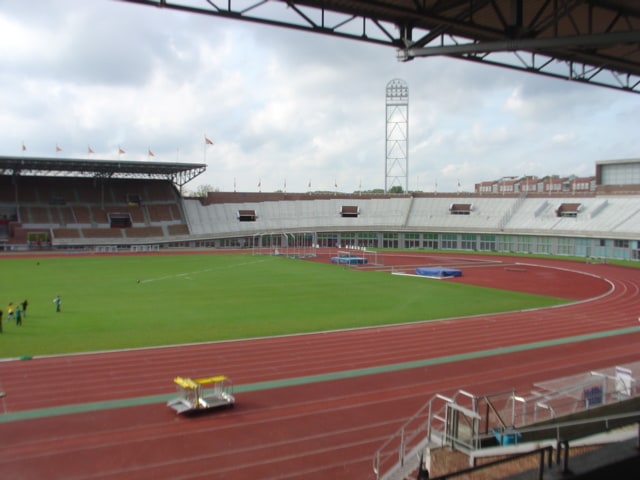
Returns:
<point x="396" y="165"/>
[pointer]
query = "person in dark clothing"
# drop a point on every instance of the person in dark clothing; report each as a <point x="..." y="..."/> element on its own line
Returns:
<point x="18" y="315"/>
<point x="423" y="472"/>
<point x="24" y="308"/>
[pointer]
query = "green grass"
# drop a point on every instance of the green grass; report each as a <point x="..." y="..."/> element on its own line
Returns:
<point x="204" y="297"/>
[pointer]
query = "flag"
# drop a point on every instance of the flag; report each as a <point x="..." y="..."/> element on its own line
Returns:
<point x="335" y="183"/>
<point x="121" y="151"/>
<point x="89" y="150"/>
<point x="207" y="141"/>
<point x="259" y="183"/>
<point x="151" y="153"/>
<point x="309" y="186"/>
<point x="58" y="149"/>
<point x="24" y="147"/>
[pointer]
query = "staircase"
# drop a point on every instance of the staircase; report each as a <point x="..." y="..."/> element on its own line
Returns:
<point x="504" y="424"/>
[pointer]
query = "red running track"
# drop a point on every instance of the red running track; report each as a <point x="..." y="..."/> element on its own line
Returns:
<point x="321" y="430"/>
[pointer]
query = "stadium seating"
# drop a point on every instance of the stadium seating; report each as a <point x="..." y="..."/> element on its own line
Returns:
<point x="73" y="211"/>
<point x="86" y="211"/>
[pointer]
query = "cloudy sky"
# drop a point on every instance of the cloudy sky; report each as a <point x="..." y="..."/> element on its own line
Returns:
<point x="284" y="108"/>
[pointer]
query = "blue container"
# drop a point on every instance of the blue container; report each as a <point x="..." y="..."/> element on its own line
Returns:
<point x="506" y="437"/>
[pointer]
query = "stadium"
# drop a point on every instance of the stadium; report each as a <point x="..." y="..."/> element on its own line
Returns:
<point x="72" y="207"/>
<point x="542" y="390"/>
<point x="68" y="204"/>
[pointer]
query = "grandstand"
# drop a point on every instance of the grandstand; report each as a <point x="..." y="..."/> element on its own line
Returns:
<point x="63" y="204"/>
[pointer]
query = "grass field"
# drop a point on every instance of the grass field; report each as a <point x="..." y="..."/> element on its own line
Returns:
<point x="113" y="302"/>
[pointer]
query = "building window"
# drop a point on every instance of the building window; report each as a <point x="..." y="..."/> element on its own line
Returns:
<point x="468" y="241"/>
<point x="390" y="240"/>
<point x="247" y="215"/>
<point x="504" y="243"/>
<point x="350" y="211"/>
<point x="411" y="240"/>
<point x="621" y="243"/>
<point x="430" y="240"/>
<point x="543" y="245"/>
<point x="487" y="243"/>
<point x="460" y="209"/>
<point x="450" y="241"/>
<point x="566" y="246"/>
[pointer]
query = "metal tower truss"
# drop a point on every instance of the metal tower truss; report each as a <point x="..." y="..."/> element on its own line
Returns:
<point x="588" y="41"/>
<point x="397" y="136"/>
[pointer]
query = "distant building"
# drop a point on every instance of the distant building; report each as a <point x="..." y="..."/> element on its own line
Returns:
<point x="553" y="184"/>
<point x="618" y="173"/>
<point x="528" y="184"/>
<point x="612" y="176"/>
<point x="582" y="184"/>
<point x="486" y="187"/>
<point x="507" y="185"/>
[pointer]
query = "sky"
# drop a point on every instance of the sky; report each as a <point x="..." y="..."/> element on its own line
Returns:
<point x="285" y="109"/>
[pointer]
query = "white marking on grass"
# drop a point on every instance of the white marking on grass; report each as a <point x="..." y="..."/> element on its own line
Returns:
<point x="187" y="275"/>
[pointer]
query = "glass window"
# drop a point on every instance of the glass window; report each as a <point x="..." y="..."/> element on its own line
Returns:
<point x="450" y="241"/>
<point x="468" y="241"/>
<point x="488" y="243"/>
<point x="430" y="240"/>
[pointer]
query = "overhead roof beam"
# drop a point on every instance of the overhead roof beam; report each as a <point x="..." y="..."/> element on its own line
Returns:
<point x="178" y="173"/>
<point x="595" y="40"/>
<point x="589" y="36"/>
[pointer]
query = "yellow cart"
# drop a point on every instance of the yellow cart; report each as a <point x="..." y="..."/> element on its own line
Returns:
<point x="202" y="394"/>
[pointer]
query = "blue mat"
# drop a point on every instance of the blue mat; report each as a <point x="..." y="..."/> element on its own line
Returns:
<point x="439" y="272"/>
<point x="349" y="260"/>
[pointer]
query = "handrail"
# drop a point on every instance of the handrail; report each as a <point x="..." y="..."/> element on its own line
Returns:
<point x="633" y="417"/>
<point x="405" y="437"/>
<point x="548" y="450"/>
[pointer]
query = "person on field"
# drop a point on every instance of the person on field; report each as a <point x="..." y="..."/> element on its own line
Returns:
<point x="24" y="308"/>
<point x="10" y="310"/>
<point x="58" y="302"/>
<point x="0" y="321"/>
<point x="18" y="315"/>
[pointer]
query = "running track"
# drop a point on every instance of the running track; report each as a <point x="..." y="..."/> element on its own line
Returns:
<point x="312" y="406"/>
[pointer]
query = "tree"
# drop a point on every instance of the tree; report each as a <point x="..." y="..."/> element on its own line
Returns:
<point x="203" y="190"/>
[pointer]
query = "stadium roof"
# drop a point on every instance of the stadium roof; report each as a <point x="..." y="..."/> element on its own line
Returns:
<point x="178" y="173"/>
<point x="589" y="41"/>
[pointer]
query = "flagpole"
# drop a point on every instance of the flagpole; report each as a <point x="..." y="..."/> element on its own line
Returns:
<point x="207" y="142"/>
